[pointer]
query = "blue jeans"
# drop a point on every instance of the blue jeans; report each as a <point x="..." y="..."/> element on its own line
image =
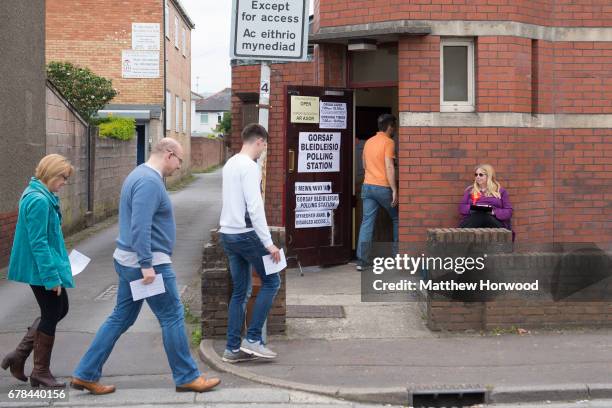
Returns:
<point x="244" y="250"/>
<point x="168" y="309"/>
<point x="374" y="197"/>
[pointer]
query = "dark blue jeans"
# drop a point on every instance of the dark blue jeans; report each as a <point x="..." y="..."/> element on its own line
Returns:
<point x="374" y="197"/>
<point x="168" y="309"/>
<point x="244" y="250"/>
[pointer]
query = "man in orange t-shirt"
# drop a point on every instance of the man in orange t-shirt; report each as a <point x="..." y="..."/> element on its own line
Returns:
<point x="379" y="189"/>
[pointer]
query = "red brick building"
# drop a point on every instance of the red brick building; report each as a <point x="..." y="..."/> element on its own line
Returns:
<point x="144" y="47"/>
<point x="528" y="89"/>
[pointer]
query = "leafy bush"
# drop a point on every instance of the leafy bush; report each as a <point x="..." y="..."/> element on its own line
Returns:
<point x="117" y="128"/>
<point x="225" y="126"/>
<point x="86" y="91"/>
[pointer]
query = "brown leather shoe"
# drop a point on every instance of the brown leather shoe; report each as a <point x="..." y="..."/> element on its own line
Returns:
<point x="93" y="387"/>
<point x="200" y="384"/>
<point x="16" y="359"/>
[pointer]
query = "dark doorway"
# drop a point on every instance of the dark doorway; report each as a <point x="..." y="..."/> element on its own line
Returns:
<point x="141" y="144"/>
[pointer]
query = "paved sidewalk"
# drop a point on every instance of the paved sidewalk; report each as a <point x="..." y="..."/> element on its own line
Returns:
<point x="381" y="352"/>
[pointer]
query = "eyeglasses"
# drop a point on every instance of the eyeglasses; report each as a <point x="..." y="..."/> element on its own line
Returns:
<point x="480" y="174"/>
<point x="175" y="155"/>
<point x="64" y="177"/>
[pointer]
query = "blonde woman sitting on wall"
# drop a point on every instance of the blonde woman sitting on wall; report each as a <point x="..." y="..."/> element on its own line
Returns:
<point x="485" y="204"/>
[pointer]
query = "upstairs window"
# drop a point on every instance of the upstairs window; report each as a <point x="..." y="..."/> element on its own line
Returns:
<point x="457" y="85"/>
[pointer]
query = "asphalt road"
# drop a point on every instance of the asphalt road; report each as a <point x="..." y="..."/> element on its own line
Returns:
<point x="140" y="350"/>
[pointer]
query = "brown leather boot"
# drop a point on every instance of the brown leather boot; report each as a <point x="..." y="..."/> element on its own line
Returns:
<point x="16" y="359"/>
<point x="41" y="375"/>
<point x="200" y="384"/>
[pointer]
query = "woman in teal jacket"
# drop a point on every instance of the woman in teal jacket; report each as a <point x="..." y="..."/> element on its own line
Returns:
<point x="39" y="258"/>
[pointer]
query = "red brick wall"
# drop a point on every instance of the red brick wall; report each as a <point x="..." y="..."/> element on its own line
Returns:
<point x="206" y="153"/>
<point x="588" y="13"/>
<point x="437" y="164"/>
<point x="92" y="35"/>
<point x="503" y="79"/>
<point x="246" y="79"/>
<point x="7" y="232"/>
<point x="583" y="77"/>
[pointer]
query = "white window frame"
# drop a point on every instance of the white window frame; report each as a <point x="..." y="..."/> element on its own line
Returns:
<point x="184" y="116"/>
<point x="459" y="106"/>
<point x="177" y="113"/>
<point x="202" y="116"/>
<point x="168" y="111"/>
<point x="167" y="19"/>
<point x="176" y="32"/>
<point x="184" y="42"/>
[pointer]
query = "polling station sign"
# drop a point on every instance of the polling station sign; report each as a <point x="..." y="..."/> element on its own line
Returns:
<point x="269" y="30"/>
<point x="312" y="202"/>
<point x="319" y="152"/>
<point x="316" y="187"/>
<point x="313" y="219"/>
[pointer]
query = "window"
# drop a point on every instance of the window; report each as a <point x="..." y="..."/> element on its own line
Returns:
<point x="168" y="110"/>
<point x="184" y="42"/>
<point x="219" y="117"/>
<point x="176" y="32"/>
<point x="457" y="75"/>
<point x="204" y="118"/>
<point x="167" y="19"/>
<point x="177" y="111"/>
<point x="184" y="116"/>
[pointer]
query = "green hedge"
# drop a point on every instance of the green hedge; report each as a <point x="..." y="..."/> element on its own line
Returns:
<point x="117" y="128"/>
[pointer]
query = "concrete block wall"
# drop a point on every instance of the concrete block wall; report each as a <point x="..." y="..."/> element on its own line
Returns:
<point x="114" y="160"/>
<point x="67" y="135"/>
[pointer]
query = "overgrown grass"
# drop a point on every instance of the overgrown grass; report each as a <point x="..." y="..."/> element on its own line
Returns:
<point x="183" y="183"/>
<point x="207" y="170"/>
<point x="193" y="323"/>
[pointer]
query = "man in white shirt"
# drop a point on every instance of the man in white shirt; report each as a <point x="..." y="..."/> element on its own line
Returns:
<point x="246" y="239"/>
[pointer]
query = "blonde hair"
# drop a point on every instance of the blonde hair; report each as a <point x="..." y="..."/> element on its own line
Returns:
<point x="493" y="185"/>
<point x="52" y="166"/>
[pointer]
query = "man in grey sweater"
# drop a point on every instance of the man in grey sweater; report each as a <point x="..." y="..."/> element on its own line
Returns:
<point x="147" y="234"/>
<point x="246" y="239"/>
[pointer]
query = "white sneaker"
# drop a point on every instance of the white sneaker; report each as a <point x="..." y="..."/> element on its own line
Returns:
<point x="257" y="348"/>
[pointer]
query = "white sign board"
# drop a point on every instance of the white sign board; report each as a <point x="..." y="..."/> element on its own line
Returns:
<point x="139" y="64"/>
<point x="314" y="202"/>
<point x="313" y="188"/>
<point x="145" y="36"/>
<point x="319" y="152"/>
<point x="313" y="219"/>
<point x="269" y="30"/>
<point x="333" y="115"/>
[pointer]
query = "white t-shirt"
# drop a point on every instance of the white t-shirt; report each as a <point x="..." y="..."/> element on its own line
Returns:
<point x="243" y="208"/>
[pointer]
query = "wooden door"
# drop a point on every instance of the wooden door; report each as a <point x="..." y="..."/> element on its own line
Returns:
<point x="319" y="196"/>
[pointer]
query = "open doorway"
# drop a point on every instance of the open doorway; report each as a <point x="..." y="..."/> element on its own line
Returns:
<point x="370" y="103"/>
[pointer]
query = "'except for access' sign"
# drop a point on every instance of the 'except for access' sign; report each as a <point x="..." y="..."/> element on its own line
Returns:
<point x="269" y="30"/>
<point x="313" y="219"/>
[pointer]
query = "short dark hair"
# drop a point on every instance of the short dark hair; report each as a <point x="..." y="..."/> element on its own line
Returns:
<point x="385" y="120"/>
<point x="254" y="131"/>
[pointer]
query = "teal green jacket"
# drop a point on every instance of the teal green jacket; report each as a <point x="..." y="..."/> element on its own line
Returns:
<point x="39" y="254"/>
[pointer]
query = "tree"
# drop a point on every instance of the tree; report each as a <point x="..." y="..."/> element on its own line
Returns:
<point x="225" y="126"/>
<point x="86" y="91"/>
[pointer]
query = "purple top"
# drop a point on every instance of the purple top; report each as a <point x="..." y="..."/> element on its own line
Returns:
<point x="502" y="209"/>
